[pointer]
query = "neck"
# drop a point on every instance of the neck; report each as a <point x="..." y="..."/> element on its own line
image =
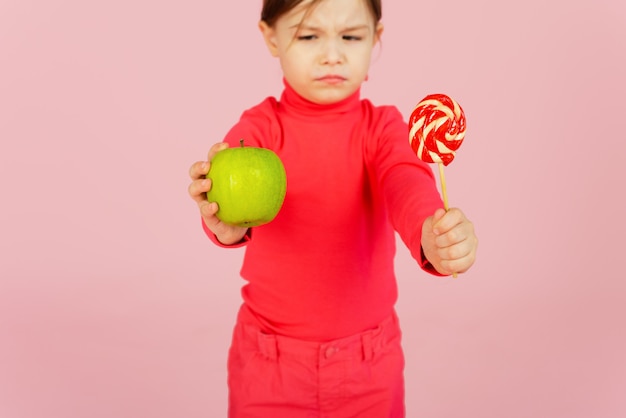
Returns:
<point x="292" y="101"/>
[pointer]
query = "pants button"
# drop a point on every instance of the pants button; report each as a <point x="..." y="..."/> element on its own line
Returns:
<point x="331" y="351"/>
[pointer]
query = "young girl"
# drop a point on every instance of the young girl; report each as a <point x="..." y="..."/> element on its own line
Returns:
<point x="317" y="334"/>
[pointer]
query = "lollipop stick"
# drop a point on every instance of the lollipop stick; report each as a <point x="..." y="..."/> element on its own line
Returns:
<point x="444" y="193"/>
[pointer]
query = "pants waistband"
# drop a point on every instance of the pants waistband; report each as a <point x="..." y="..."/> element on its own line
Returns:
<point x="363" y="345"/>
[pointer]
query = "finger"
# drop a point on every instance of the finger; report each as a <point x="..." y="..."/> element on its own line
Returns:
<point x="429" y="223"/>
<point x="198" y="190"/>
<point x="459" y="257"/>
<point x="457" y="235"/>
<point x="439" y="213"/>
<point x="208" y="211"/>
<point x="444" y="221"/>
<point x="460" y="265"/>
<point x="198" y="170"/>
<point x="456" y="251"/>
<point x="220" y="146"/>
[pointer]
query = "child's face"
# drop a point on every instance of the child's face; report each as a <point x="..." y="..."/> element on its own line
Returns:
<point x="326" y="56"/>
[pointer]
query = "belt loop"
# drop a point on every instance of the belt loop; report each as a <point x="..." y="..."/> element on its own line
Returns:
<point x="366" y="340"/>
<point x="267" y="346"/>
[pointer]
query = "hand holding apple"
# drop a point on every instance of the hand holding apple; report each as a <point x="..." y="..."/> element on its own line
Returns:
<point x="200" y="185"/>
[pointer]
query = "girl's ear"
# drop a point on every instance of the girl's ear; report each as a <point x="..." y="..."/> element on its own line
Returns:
<point x="378" y="32"/>
<point x="269" y="35"/>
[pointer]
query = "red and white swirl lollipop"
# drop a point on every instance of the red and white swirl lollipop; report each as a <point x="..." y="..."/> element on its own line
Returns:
<point x="436" y="130"/>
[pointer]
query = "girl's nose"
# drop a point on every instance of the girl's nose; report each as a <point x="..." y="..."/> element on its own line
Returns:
<point x="332" y="52"/>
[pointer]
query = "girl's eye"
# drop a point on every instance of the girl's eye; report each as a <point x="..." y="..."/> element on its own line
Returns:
<point x="351" y="38"/>
<point x="306" y="37"/>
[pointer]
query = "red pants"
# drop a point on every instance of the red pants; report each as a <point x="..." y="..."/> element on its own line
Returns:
<point x="271" y="376"/>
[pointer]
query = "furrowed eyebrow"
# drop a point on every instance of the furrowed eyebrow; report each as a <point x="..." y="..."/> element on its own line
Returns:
<point x="303" y="27"/>
<point x="315" y="28"/>
<point x="353" y="28"/>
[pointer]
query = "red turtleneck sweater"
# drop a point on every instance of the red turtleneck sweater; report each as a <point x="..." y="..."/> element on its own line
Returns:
<point x="323" y="268"/>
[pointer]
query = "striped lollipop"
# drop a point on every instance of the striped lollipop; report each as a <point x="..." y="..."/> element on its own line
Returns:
<point x="436" y="129"/>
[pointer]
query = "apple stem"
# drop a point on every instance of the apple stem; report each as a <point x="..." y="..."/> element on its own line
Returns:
<point x="241" y="142"/>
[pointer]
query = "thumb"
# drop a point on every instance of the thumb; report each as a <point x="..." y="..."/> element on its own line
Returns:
<point x="432" y="220"/>
<point x="439" y="213"/>
<point x="428" y="227"/>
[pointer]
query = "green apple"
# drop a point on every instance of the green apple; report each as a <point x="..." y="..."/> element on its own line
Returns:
<point x="248" y="185"/>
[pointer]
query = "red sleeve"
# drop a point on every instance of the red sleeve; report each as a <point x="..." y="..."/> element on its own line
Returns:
<point x="246" y="238"/>
<point x="408" y="185"/>
<point x="258" y="127"/>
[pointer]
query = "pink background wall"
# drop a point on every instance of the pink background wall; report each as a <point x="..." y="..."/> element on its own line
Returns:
<point x="114" y="304"/>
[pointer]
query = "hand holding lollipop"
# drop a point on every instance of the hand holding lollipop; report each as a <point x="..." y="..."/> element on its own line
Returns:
<point x="436" y="130"/>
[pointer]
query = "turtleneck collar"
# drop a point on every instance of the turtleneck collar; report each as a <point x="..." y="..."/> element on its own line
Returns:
<point x="292" y="102"/>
